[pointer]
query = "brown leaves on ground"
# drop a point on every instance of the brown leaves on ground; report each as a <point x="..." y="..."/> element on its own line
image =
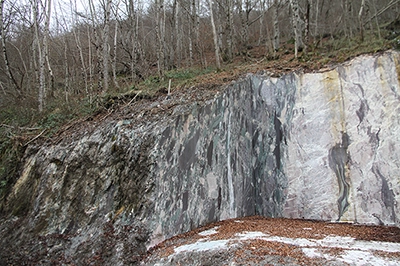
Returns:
<point x="278" y="253"/>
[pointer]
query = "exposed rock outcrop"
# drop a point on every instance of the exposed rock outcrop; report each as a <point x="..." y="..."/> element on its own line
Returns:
<point x="320" y="146"/>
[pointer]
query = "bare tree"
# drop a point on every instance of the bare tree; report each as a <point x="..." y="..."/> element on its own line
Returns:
<point x="215" y="35"/>
<point x="46" y="37"/>
<point x="115" y="47"/>
<point x="276" y="7"/>
<point x="80" y="49"/>
<point x="4" y="51"/>
<point x="360" y="20"/>
<point x="307" y="23"/>
<point x="160" y="32"/>
<point x="41" y="59"/>
<point x="298" y="40"/>
<point x="105" y="44"/>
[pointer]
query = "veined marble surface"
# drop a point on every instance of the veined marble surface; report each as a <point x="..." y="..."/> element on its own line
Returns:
<point x="343" y="149"/>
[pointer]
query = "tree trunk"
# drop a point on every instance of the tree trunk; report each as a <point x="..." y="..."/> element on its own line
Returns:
<point x="114" y="61"/>
<point x="376" y="19"/>
<point x="41" y="59"/>
<point x="98" y="43"/>
<point x="90" y="65"/>
<point x="298" y="42"/>
<point x="244" y="21"/>
<point x="66" y="70"/>
<point x="229" y="30"/>
<point x="105" y="45"/>
<point x="133" y="18"/>
<point x="5" y="55"/>
<point x="160" y="27"/>
<point x="178" y="35"/>
<point x="215" y="35"/>
<point x="307" y="25"/>
<point x="360" y="20"/>
<point x="46" y="47"/>
<point x="276" y="26"/>
<point x="80" y="51"/>
<point x="316" y="21"/>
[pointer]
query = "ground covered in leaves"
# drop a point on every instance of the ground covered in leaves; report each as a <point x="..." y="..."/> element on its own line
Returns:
<point x="267" y="241"/>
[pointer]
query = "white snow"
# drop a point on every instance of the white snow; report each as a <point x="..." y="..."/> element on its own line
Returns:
<point x="352" y="251"/>
<point x="203" y="246"/>
<point x="250" y="235"/>
<point x="209" y="232"/>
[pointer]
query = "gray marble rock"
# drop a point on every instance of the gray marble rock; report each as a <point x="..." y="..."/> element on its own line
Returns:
<point x="322" y="146"/>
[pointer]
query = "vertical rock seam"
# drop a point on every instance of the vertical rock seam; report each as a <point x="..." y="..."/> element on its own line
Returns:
<point x="338" y="161"/>
<point x="232" y="212"/>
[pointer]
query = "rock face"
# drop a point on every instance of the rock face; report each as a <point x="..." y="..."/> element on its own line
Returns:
<point x="342" y="160"/>
<point x="320" y="146"/>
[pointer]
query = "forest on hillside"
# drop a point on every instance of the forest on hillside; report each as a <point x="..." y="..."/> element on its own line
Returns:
<point x="57" y="51"/>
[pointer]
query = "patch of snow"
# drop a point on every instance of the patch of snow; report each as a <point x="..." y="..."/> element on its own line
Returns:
<point x="352" y="251"/>
<point x="209" y="232"/>
<point x="338" y="242"/>
<point x="250" y="235"/>
<point x="356" y="252"/>
<point x="302" y="242"/>
<point x="312" y="252"/>
<point x="358" y="257"/>
<point x="203" y="246"/>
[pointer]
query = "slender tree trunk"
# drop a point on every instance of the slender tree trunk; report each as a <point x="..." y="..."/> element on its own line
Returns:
<point x="376" y="19"/>
<point x="114" y="62"/>
<point x="115" y="50"/>
<point x="90" y="66"/>
<point x="41" y="59"/>
<point x="5" y="55"/>
<point x="160" y="22"/>
<point x="229" y="30"/>
<point x="307" y="25"/>
<point x="106" y="46"/>
<point x="193" y="34"/>
<point x="298" y="42"/>
<point x="361" y="25"/>
<point x="98" y="41"/>
<point x="261" y="27"/>
<point x="190" y="37"/>
<point x="243" y="33"/>
<point x="46" y="37"/>
<point x="80" y="51"/>
<point x="276" y="26"/>
<point x="66" y="71"/>
<point x="134" y="32"/>
<point x="215" y="35"/>
<point x="178" y="35"/>
<point x="316" y="21"/>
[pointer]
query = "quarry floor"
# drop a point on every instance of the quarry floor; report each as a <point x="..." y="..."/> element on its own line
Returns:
<point x="266" y="241"/>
